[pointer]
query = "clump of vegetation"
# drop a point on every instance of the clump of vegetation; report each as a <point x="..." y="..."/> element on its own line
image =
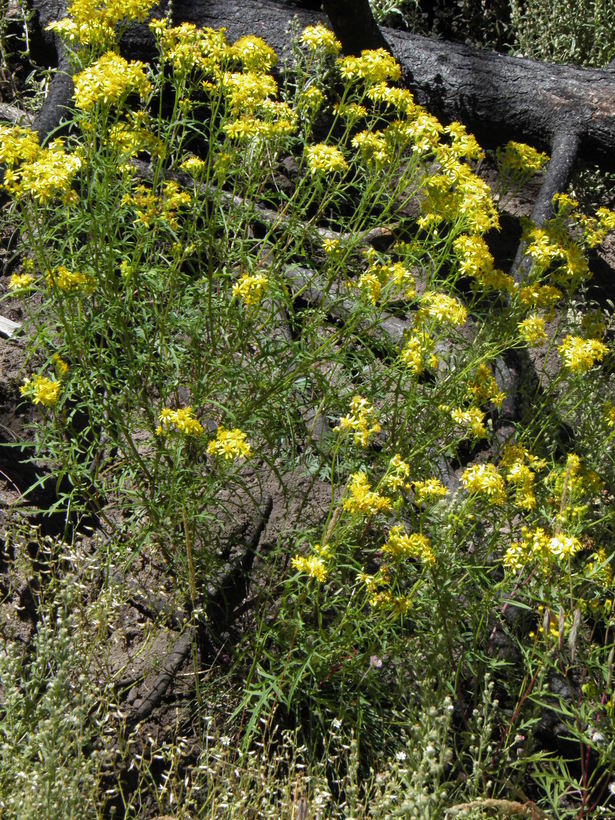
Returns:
<point x="249" y="278"/>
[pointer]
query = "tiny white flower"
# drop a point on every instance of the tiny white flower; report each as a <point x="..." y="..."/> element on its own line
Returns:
<point x="401" y="756"/>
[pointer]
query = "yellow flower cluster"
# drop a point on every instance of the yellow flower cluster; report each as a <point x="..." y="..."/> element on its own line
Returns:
<point x="596" y="228"/>
<point x="457" y="196"/>
<point x="43" y="175"/>
<point x="471" y="421"/>
<point x="372" y="67"/>
<point x="41" y="390"/>
<point x="188" y="48"/>
<point x="361" y="421"/>
<point x="400" y="545"/>
<point x="68" y="281"/>
<point x="254" y="54"/>
<point x="421" y="132"/>
<point x="362" y="499"/>
<point x="429" y="490"/>
<point x="130" y="139"/>
<point x="230" y="444"/>
<point x="463" y="145"/>
<point x="17" y="145"/>
<point x="313" y="566"/>
<point x="520" y="470"/>
<point x="483" y="388"/>
<point x="580" y="355"/>
<point x="533" y="331"/>
<point x="417" y="353"/>
<point x="247" y="92"/>
<point x="250" y="288"/>
<point x="60" y="365"/>
<point x="180" y="421"/>
<point x="397" y="475"/>
<point x="92" y="22"/>
<point x="517" y="159"/>
<point x="275" y="119"/>
<point x="476" y="261"/>
<point x="109" y="80"/>
<point x="384" y="600"/>
<point x="485" y="480"/>
<point x="373" y="148"/>
<point x="552" y="246"/>
<point x="319" y="38"/>
<point x="20" y="282"/>
<point x="441" y="309"/>
<point x="148" y="207"/>
<point x="393" y="276"/>
<point x="398" y="98"/>
<point x="194" y="166"/>
<point x="325" y="159"/>
<point x="537" y="547"/>
<point x="311" y="99"/>
<point x="544" y="297"/>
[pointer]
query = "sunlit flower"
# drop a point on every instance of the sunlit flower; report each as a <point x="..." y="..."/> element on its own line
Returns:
<point x="401" y="545"/>
<point x="41" y="390"/>
<point x="372" y="67"/>
<point x="533" y="331"/>
<point x="361" y="499"/>
<point x="484" y="479"/>
<point x="181" y="421"/>
<point x="250" y="288"/>
<point x="580" y="355"/>
<point x="313" y="566"/>
<point x="109" y="80"/>
<point x="230" y="444"/>
<point x="319" y="38"/>
<point x="361" y="421"/>
<point x="517" y="157"/>
<point x="325" y="159"/>
<point x="20" y="282"/>
<point x="254" y="53"/>
<point x="429" y="490"/>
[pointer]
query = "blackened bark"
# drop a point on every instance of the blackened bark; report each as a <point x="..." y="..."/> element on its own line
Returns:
<point x="354" y="25"/>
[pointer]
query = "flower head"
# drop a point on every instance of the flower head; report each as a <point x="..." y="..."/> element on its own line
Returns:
<point x="319" y="38"/>
<point x="229" y="444"/>
<point x="362" y="500"/>
<point x="180" y="421"/>
<point x="41" y="390"/>
<point x="580" y="355"/>
<point x="109" y="80"/>
<point x="325" y="159"/>
<point x="361" y="421"/>
<point x="485" y="480"/>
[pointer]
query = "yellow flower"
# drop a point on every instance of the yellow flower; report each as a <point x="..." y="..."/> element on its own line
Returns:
<point x="109" y="80"/>
<point x="254" y="53"/>
<point x="41" y="390"/>
<point x="17" y="145"/>
<point x="401" y="545"/>
<point x="325" y="159"/>
<point x="442" y="308"/>
<point x="181" y="421"/>
<point x="230" y="444"/>
<point x="312" y="566"/>
<point x="20" y="281"/>
<point x="246" y="92"/>
<point x="250" y="288"/>
<point x="93" y="23"/>
<point x="580" y="355"/>
<point x="484" y="479"/>
<point x="483" y="387"/>
<point x="532" y="330"/>
<point x="429" y="490"/>
<point x="362" y="500"/>
<point x="372" y="67"/>
<point x="517" y="158"/>
<point x="471" y="420"/>
<point x="417" y="353"/>
<point x="68" y="281"/>
<point x="60" y="365"/>
<point x="540" y="296"/>
<point x="48" y="175"/>
<point x="361" y="420"/>
<point x="319" y="38"/>
<point x="463" y="145"/>
<point x="399" y="98"/>
<point x="372" y="147"/>
<point x="397" y="475"/>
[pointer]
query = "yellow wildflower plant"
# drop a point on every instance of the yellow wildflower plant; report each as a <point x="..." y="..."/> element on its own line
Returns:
<point x="532" y="331"/>
<point x="91" y="22"/>
<point x="17" y="145"/>
<point x="41" y="390"/>
<point x="398" y="98"/>
<point x="543" y="297"/>
<point x="254" y="54"/>
<point x="417" y="353"/>
<point x="20" y="282"/>
<point x="441" y="309"/>
<point x="109" y="80"/>
<point x="517" y="159"/>
<point x="580" y="355"/>
<point x="400" y="545"/>
<point x="250" y="288"/>
<point x="463" y="145"/>
<point x="67" y="281"/>
<point x="46" y="177"/>
<point x="429" y="490"/>
<point x="485" y="480"/>
<point x="319" y="38"/>
<point x="372" y="67"/>
<point x="59" y="365"/>
<point x="483" y="388"/>
<point x="246" y="92"/>
<point x="471" y="421"/>
<point x="313" y="566"/>
<point x="362" y="500"/>
<point x="372" y="147"/>
<point x="397" y="605"/>
<point x="397" y="477"/>
<point x="360" y="421"/>
<point x="325" y="159"/>
<point x="539" y="549"/>
<point x="180" y="421"/>
<point x="230" y="444"/>
<point x="188" y="48"/>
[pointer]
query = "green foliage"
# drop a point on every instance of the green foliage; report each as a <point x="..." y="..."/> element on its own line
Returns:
<point x="223" y="259"/>
<point x="565" y="31"/>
